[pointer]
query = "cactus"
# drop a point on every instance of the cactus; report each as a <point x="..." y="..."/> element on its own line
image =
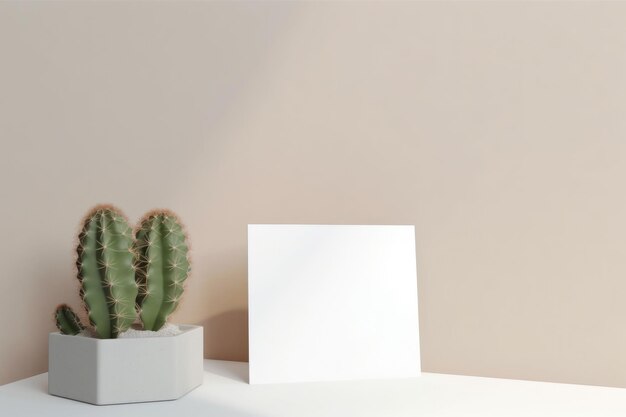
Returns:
<point x="67" y="321"/>
<point x="116" y="273"/>
<point x="106" y="271"/>
<point x="161" y="265"/>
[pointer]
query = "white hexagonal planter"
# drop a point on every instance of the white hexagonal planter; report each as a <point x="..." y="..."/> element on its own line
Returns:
<point x="114" y="371"/>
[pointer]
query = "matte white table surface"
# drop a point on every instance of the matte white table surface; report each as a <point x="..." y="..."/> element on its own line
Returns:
<point x="226" y="393"/>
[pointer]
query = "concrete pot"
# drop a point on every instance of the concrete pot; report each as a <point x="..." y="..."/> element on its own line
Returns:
<point x="114" y="371"/>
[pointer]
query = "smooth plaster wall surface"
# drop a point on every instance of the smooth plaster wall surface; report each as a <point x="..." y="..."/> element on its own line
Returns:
<point x="498" y="129"/>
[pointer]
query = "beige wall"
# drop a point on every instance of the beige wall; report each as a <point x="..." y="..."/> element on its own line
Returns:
<point x="498" y="129"/>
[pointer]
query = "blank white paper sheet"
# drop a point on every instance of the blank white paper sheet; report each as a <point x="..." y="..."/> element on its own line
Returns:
<point x="332" y="302"/>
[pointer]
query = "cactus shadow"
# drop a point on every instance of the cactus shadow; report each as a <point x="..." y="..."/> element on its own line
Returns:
<point x="226" y="369"/>
<point x="212" y="408"/>
<point x="40" y="383"/>
<point x="226" y="337"/>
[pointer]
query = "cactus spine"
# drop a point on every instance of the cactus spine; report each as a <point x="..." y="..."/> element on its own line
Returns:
<point x="67" y="321"/>
<point x="106" y="271"/>
<point x="161" y="265"/>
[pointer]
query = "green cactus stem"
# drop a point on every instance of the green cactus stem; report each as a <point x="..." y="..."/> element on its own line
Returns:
<point x="67" y="321"/>
<point x="106" y="271"/>
<point x="162" y="266"/>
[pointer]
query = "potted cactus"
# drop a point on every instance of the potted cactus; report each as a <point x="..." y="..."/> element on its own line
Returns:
<point x="130" y="283"/>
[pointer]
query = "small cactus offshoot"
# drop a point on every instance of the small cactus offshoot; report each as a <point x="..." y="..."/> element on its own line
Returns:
<point x="67" y="321"/>
<point x="161" y="265"/>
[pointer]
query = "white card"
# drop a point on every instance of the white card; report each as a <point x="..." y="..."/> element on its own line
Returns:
<point x="332" y="302"/>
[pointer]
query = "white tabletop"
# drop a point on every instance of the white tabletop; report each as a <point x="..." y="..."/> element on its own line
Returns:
<point x="226" y="393"/>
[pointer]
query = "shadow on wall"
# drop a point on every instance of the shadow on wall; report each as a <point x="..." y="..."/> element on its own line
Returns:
<point x="225" y="294"/>
<point x="226" y="336"/>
